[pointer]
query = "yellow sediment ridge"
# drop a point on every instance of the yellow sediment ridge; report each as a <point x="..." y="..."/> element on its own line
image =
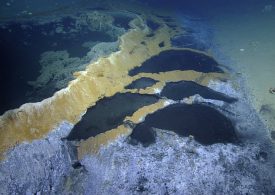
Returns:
<point x="101" y="79"/>
<point x="105" y="77"/>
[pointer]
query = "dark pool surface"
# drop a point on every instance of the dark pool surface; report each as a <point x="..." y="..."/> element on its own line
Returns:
<point x="206" y="124"/>
<point x="141" y="83"/>
<point x="183" y="89"/>
<point x="109" y="113"/>
<point x="177" y="60"/>
<point x="22" y="44"/>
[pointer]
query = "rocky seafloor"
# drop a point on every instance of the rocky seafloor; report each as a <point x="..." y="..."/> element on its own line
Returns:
<point x="114" y="144"/>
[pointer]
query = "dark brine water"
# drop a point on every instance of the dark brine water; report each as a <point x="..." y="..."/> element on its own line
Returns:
<point x="204" y="123"/>
<point x="21" y="46"/>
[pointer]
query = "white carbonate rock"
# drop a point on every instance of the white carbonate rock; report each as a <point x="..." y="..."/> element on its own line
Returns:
<point x="37" y="166"/>
<point x="176" y="165"/>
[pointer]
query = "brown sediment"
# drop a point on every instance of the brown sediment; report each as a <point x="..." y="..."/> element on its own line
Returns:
<point x="92" y="144"/>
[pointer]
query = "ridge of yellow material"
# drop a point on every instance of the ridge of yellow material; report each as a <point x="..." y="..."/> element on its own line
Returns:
<point x="102" y="78"/>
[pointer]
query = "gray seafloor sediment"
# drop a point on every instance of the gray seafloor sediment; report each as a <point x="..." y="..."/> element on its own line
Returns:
<point x="176" y="165"/>
<point x="39" y="166"/>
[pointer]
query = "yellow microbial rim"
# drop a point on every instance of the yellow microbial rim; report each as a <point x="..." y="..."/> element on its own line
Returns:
<point x="103" y="78"/>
